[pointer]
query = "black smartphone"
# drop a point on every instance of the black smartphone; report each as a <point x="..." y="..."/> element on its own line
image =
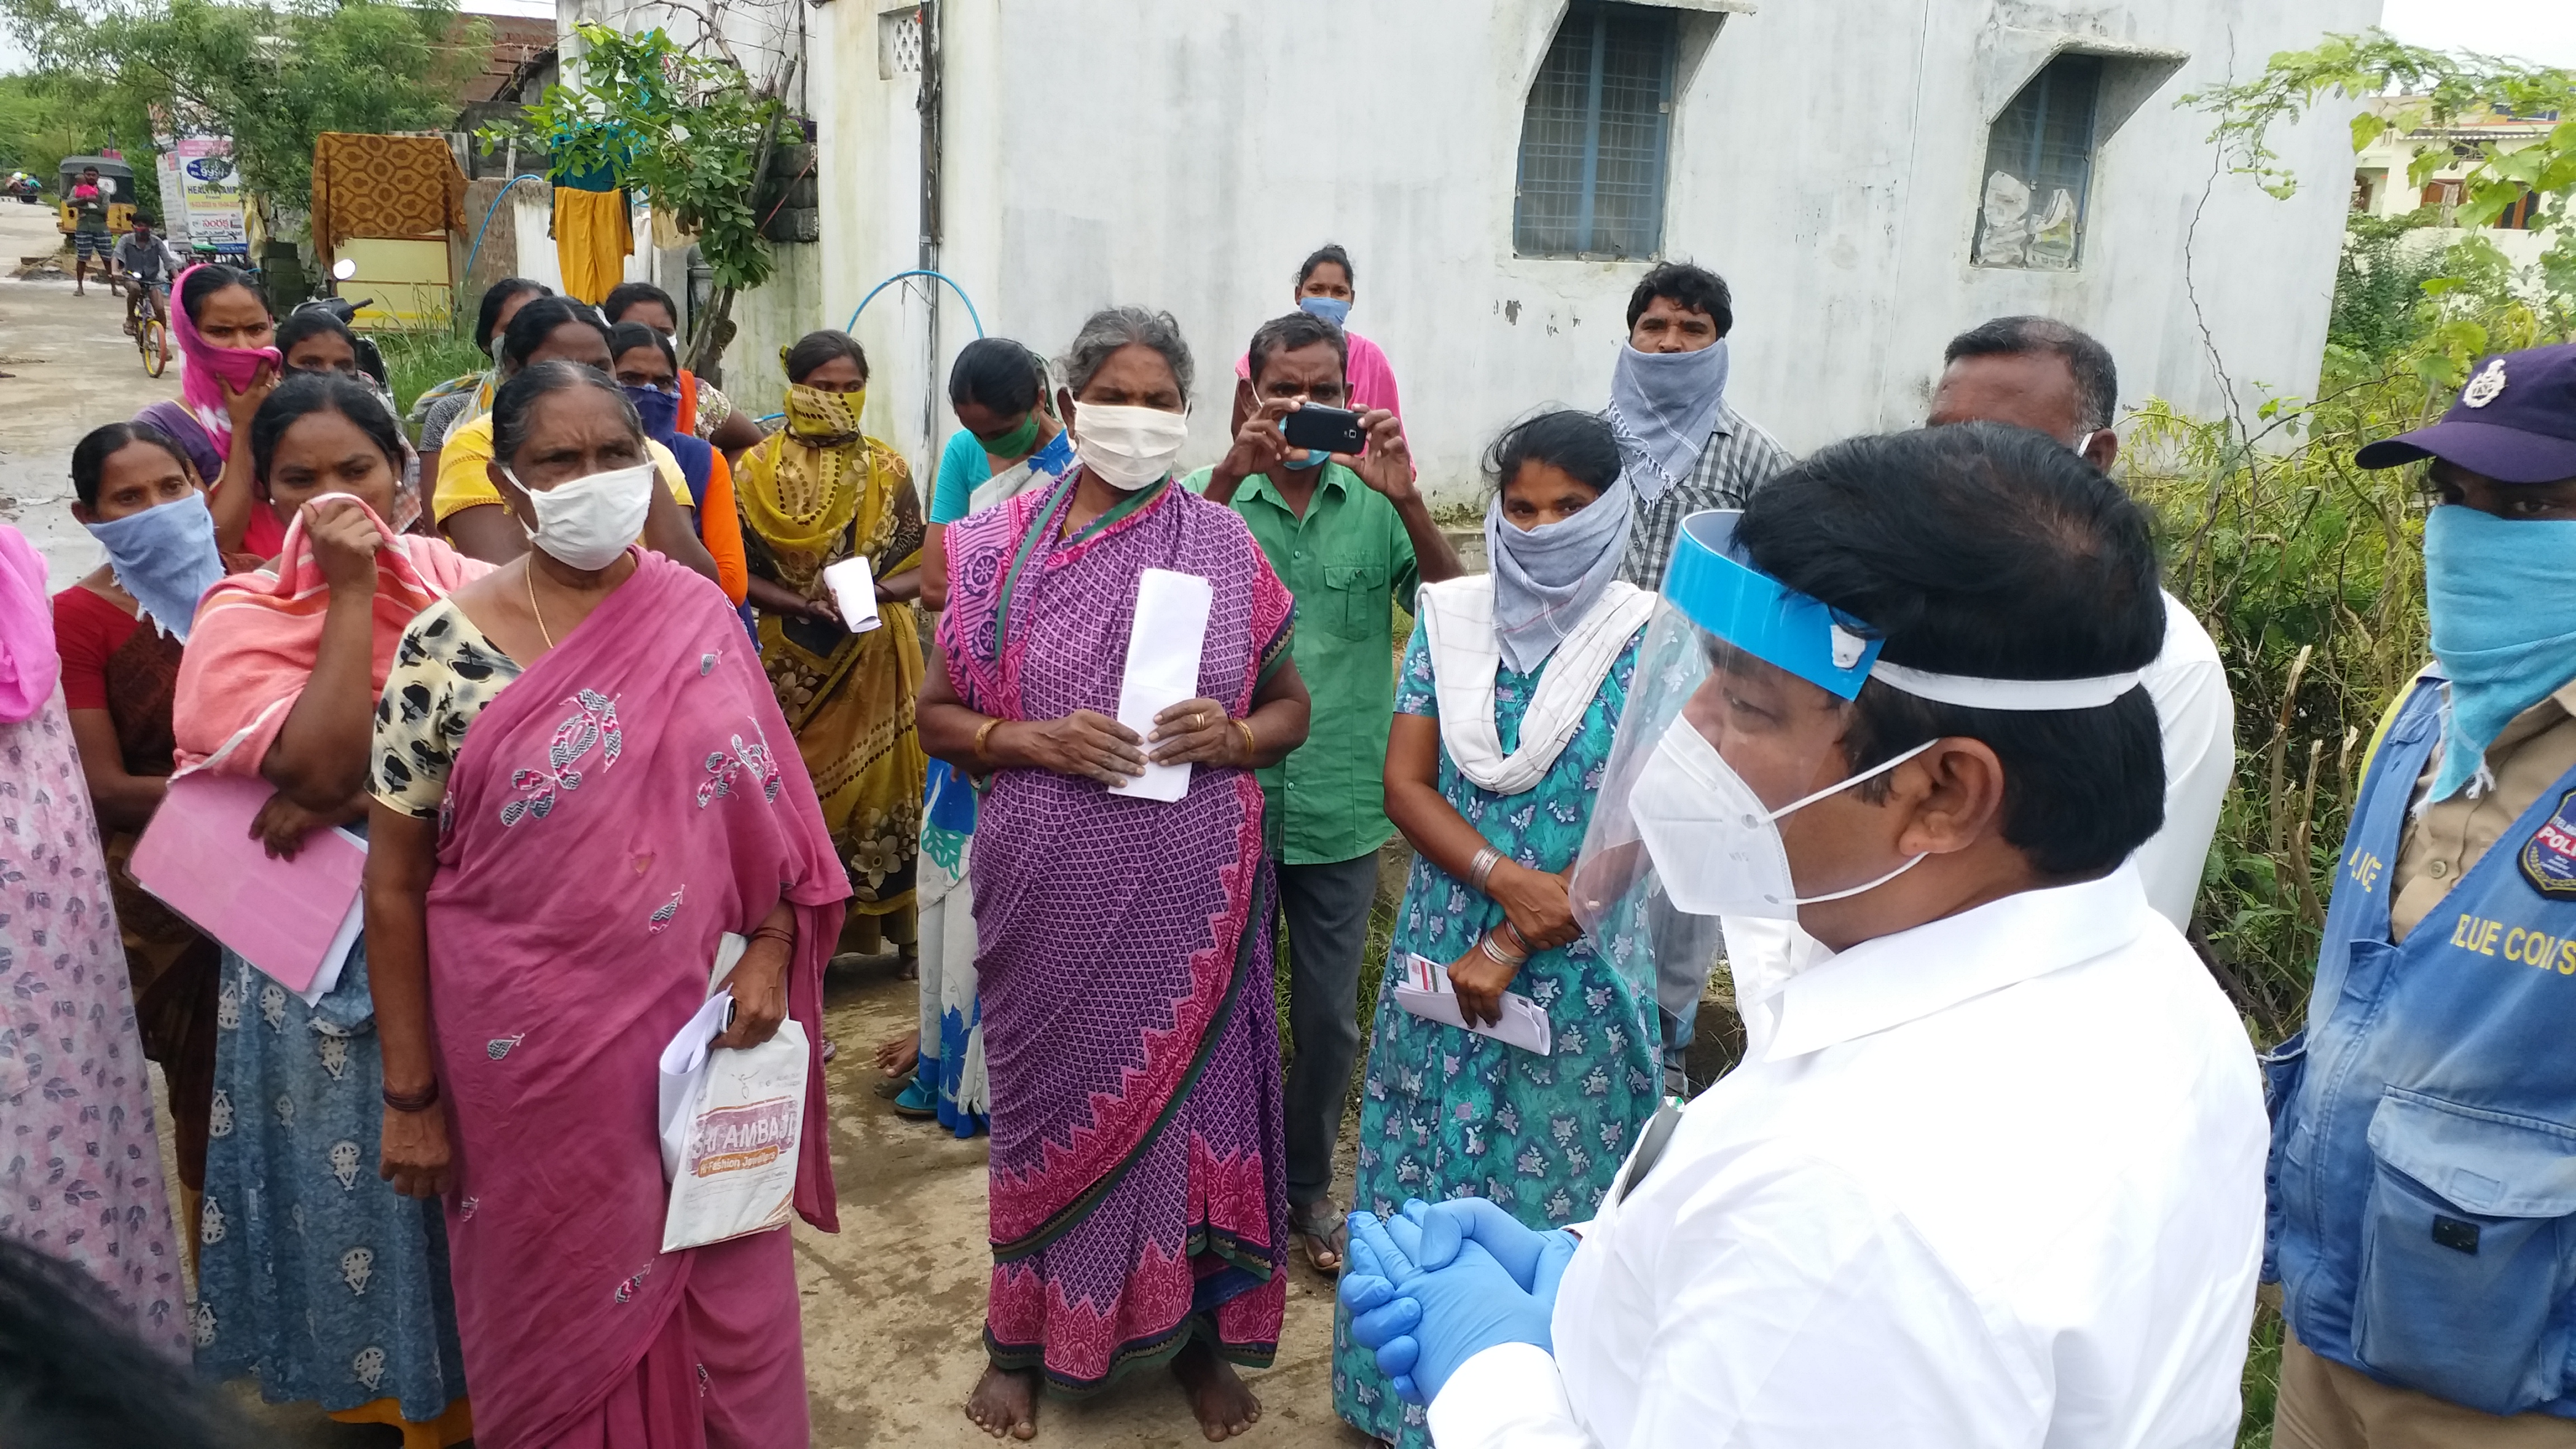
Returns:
<point x="1324" y="430"/>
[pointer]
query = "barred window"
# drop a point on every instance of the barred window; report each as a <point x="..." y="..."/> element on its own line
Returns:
<point x="2039" y="165"/>
<point x="1595" y="135"/>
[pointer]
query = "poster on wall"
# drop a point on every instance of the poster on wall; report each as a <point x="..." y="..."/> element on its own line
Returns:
<point x="174" y="198"/>
<point x="212" y="188"/>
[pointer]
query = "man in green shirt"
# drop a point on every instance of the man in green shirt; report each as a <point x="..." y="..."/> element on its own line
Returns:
<point x="1351" y="538"/>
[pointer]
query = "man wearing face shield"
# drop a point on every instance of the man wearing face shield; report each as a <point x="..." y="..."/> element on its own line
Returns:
<point x="1991" y="1170"/>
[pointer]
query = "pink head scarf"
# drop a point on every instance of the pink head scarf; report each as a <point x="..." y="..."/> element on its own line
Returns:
<point x="28" y="664"/>
<point x="201" y="362"/>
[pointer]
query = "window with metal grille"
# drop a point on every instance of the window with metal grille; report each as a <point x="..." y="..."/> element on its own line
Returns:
<point x="1594" y="137"/>
<point x="2039" y="165"/>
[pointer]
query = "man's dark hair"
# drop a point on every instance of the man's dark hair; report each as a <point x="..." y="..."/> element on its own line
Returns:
<point x="143" y="218"/>
<point x="1328" y="252"/>
<point x="305" y="393"/>
<point x="487" y="319"/>
<point x="1695" y="288"/>
<point x="814" y="349"/>
<point x="74" y="1376"/>
<point x="1287" y="334"/>
<point x="627" y="294"/>
<point x="89" y="457"/>
<point x="1987" y="550"/>
<point x="2097" y="381"/>
<point x="996" y="373"/>
<point x="538" y="320"/>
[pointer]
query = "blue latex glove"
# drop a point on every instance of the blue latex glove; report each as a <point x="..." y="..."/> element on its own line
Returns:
<point x="1529" y="1255"/>
<point x="1382" y="1319"/>
<point x="1463" y="1308"/>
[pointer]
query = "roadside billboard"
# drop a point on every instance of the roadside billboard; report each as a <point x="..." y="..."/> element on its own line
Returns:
<point x="212" y="188"/>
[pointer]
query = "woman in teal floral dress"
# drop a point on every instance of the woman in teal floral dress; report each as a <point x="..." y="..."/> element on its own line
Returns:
<point x="1510" y="691"/>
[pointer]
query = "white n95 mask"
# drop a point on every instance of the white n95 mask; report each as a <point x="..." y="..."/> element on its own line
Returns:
<point x="1128" y="448"/>
<point x="587" y="522"/>
<point x="1715" y="845"/>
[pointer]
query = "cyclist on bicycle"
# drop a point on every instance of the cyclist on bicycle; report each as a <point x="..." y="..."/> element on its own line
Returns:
<point x="148" y="264"/>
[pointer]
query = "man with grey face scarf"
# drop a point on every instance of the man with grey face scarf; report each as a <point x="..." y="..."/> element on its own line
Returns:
<point x="1684" y="448"/>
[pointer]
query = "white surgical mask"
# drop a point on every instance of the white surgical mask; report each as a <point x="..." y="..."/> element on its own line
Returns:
<point x="1715" y="845"/>
<point x="587" y="522"/>
<point x="1128" y="448"/>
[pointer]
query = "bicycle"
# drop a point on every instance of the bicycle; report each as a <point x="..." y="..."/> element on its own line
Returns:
<point x="146" y="314"/>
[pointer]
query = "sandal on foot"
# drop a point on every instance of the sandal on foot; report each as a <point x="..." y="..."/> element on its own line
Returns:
<point x="1324" y="1235"/>
<point x="918" y="1100"/>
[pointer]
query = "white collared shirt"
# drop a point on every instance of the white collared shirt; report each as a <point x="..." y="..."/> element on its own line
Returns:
<point x="1996" y="1180"/>
<point x="2197" y="718"/>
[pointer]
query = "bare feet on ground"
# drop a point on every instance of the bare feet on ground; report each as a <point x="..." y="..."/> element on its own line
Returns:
<point x="1223" y="1403"/>
<point x="1006" y="1403"/>
<point x="897" y="1055"/>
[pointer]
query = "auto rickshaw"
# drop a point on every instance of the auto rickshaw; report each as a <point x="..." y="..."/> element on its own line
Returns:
<point x="114" y="178"/>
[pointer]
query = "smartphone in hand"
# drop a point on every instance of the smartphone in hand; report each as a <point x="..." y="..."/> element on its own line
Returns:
<point x="1324" y="430"/>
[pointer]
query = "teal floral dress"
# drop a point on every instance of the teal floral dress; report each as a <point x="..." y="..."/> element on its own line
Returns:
<point x="1446" y="1113"/>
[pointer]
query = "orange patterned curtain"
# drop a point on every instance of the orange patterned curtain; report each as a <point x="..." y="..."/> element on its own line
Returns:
<point x="383" y="186"/>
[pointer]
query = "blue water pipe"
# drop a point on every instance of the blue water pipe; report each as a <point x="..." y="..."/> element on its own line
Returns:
<point x="477" y="249"/>
<point x="916" y="272"/>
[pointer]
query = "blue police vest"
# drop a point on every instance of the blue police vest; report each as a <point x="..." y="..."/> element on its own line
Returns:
<point x="2422" y="1182"/>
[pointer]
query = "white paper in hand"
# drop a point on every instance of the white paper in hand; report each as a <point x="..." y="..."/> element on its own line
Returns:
<point x="854" y="593"/>
<point x="1426" y="993"/>
<point x="1162" y="668"/>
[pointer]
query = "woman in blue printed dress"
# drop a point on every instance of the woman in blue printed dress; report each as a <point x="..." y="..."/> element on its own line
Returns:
<point x="1510" y="692"/>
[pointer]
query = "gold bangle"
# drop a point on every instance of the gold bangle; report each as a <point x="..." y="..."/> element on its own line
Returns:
<point x="1251" y="746"/>
<point x="984" y="734"/>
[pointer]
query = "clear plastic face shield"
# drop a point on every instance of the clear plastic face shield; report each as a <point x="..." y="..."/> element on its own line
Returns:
<point x="1735" y="722"/>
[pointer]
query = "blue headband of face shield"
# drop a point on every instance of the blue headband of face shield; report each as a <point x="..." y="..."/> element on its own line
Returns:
<point x="1710" y="581"/>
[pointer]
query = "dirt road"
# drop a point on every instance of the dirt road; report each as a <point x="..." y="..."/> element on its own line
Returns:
<point x="73" y="369"/>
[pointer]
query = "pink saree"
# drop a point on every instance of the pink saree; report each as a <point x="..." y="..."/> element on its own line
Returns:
<point x="616" y="808"/>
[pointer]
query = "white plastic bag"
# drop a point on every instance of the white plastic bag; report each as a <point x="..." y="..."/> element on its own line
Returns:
<point x="732" y="1121"/>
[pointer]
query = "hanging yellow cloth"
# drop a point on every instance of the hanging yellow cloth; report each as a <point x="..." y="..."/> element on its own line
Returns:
<point x="593" y="238"/>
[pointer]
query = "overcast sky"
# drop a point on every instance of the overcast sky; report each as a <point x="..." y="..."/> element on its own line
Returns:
<point x="2538" y="30"/>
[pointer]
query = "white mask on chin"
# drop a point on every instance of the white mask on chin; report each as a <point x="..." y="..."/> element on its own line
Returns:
<point x="587" y="522"/>
<point x="1128" y="448"/>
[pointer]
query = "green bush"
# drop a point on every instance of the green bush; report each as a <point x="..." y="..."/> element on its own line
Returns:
<point x="420" y="358"/>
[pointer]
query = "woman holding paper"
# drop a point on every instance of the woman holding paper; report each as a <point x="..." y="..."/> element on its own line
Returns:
<point x="313" y="1274"/>
<point x="814" y="495"/>
<point x="581" y="786"/>
<point x="1139" y="1206"/>
<point x="1505" y="707"/>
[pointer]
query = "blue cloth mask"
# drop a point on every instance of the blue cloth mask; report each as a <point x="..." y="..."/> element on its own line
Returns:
<point x="1331" y="309"/>
<point x="2504" y="627"/>
<point x="660" y="411"/>
<point x="165" y="557"/>
<point x="1663" y="407"/>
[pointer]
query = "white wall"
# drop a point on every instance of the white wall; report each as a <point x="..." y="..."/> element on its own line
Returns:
<point x="1825" y="158"/>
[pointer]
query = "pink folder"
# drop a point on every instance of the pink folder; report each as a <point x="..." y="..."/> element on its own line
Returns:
<point x="283" y="916"/>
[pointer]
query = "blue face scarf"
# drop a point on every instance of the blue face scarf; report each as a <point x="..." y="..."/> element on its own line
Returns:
<point x="660" y="411"/>
<point x="2504" y="627"/>
<point x="1331" y="309"/>
<point x="165" y="557"/>
<point x="1663" y="407"/>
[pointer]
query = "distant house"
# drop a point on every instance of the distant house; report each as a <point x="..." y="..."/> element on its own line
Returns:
<point x="1870" y="175"/>
<point x="2383" y="182"/>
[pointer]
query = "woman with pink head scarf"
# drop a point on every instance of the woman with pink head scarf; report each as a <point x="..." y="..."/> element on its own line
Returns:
<point x="227" y="368"/>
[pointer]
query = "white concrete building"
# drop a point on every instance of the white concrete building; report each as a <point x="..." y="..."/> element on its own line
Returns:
<point x="1870" y="176"/>
<point x="2384" y="184"/>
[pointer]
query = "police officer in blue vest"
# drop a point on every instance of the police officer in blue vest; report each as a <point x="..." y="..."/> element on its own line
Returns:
<point x="2423" y="1168"/>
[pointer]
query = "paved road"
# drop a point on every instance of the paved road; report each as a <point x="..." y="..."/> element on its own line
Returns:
<point x="74" y="368"/>
<point x="894" y="1303"/>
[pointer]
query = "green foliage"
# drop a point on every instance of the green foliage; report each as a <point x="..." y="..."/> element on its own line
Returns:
<point x="420" y="358"/>
<point x="272" y="76"/>
<point x="685" y="130"/>
<point x="2441" y="88"/>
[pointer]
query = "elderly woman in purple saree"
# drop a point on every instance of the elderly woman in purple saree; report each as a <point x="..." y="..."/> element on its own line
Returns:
<point x="1138" y="1206"/>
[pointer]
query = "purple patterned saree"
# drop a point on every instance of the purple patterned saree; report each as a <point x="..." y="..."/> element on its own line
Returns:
<point x="1124" y="948"/>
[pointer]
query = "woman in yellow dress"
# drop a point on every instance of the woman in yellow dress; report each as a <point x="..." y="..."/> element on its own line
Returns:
<point x="814" y="493"/>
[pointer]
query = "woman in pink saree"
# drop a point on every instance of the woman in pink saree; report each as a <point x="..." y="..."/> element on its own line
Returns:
<point x="581" y="782"/>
